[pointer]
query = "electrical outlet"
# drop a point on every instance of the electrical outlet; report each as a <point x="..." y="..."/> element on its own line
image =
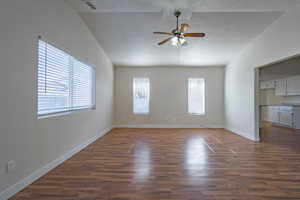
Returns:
<point x="11" y="165"/>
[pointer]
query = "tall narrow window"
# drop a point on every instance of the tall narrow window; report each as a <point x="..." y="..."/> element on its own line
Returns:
<point x="196" y="96"/>
<point x="64" y="83"/>
<point x="141" y="95"/>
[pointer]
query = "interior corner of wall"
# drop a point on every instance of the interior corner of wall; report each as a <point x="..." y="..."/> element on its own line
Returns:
<point x="248" y="136"/>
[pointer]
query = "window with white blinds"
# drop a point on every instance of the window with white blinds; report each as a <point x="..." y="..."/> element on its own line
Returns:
<point x="141" y="95"/>
<point x="64" y="83"/>
<point x="196" y="96"/>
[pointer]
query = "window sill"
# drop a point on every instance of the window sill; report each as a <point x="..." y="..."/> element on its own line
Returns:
<point x="196" y="114"/>
<point x="63" y="113"/>
<point x="141" y="113"/>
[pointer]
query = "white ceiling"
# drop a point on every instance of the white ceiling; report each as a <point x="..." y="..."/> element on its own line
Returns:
<point x="124" y="28"/>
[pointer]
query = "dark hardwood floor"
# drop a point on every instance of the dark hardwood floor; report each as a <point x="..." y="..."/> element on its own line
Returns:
<point x="177" y="164"/>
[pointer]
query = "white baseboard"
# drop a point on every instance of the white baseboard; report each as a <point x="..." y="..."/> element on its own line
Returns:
<point x="241" y="134"/>
<point x="12" y="190"/>
<point x="167" y="126"/>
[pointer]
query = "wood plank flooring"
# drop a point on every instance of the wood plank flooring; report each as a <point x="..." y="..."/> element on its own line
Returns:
<point x="177" y="164"/>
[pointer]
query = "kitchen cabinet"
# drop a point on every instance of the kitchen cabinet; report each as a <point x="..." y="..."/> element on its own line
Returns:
<point x="273" y="114"/>
<point x="288" y="116"/>
<point x="288" y="87"/>
<point x="293" y="86"/>
<point x="280" y="87"/>
<point x="264" y="113"/>
<point x="267" y="84"/>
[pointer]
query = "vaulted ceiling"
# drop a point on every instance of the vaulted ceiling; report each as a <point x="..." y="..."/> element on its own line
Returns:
<point x="124" y="28"/>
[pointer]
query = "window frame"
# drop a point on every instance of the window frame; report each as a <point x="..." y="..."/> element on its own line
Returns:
<point x="142" y="113"/>
<point x="187" y="92"/>
<point x="67" y="111"/>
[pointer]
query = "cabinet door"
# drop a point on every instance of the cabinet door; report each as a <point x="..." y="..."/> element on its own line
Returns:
<point x="286" y="118"/>
<point x="293" y="85"/>
<point x="263" y="85"/>
<point x="271" y="84"/>
<point x="267" y="84"/>
<point x="273" y="114"/>
<point x="264" y="114"/>
<point x="280" y="89"/>
<point x="296" y="117"/>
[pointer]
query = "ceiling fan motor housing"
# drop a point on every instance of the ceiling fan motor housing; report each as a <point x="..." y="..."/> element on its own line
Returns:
<point x="177" y="13"/>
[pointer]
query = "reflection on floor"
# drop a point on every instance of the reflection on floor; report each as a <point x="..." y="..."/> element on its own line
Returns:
<point x="280" y="135"/>
<point x="177" y="164"/>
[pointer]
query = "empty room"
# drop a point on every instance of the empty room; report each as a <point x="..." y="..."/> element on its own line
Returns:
<point x="149" y="100"/>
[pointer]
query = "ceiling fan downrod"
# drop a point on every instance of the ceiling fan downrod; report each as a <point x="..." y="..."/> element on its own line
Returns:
<point x="177" y="13"/>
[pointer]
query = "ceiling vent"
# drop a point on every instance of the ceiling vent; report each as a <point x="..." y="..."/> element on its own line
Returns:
<point x="89" y="4"/>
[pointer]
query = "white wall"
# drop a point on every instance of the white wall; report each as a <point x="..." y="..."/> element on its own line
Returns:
<point x="168" y="97"/>
<point x="30" y="142"/>
<point x="280" y="40"/>
<point x="284" y="69"/>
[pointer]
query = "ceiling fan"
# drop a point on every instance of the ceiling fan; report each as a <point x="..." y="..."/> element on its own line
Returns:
<point x="178" y="35"/>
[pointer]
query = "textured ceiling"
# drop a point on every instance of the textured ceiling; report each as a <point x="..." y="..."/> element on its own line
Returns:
<point x="195" y="5"/>
<point x="124" y="28"/>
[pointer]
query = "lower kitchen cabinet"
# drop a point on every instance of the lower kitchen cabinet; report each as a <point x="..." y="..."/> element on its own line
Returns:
<point x="288" y="116"/>
<point x="273" y="114"/>
<point x="264" y="113"/>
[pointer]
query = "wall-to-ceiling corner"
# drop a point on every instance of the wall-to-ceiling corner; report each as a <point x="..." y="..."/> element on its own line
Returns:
<point x="280" y="40"/>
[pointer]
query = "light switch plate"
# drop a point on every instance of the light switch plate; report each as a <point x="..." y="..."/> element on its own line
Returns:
<point x="11" y="165"/>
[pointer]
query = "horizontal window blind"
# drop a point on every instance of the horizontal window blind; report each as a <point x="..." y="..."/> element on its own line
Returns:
<point x="196" y="96"/>
<point x="64" y="83"/>
<point x="82" y="84"/>
<point x="141" y="95"/>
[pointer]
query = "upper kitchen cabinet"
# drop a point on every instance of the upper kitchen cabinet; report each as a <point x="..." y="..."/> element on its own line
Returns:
<point x="286" y="74"/>
<point x="281" y="87"/>
<point x="293" y="86"/>
<point x="267" y="84"/>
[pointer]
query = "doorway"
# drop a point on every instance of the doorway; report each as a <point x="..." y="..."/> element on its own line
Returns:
<point x="277" y="99"/>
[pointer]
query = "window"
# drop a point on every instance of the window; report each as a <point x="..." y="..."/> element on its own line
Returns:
<point x="196" y="96"/>
<point x="64" y="83"/>
<point x="141" y="95"/>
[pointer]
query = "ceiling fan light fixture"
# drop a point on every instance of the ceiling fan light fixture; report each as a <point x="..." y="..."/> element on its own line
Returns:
<point x="174" y="41"/>
<point x="182" y="41"/>
<point x="178" y="42"/>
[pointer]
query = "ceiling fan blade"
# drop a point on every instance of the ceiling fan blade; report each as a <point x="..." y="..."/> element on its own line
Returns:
<point x="194" y="34"/>
<point x="165" y="33"/>
<point x="164" y="41"/>
<point x="184" y="28"/>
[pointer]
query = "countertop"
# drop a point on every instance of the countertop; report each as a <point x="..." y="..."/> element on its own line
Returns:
<point x="294" y="105"/>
